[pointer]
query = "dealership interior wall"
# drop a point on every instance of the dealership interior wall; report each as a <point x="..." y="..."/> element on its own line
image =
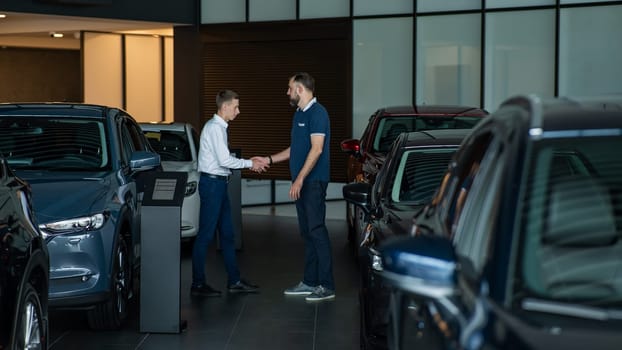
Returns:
<point x="390" y="52"/>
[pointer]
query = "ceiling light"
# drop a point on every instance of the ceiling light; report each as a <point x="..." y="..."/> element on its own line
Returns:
<point x="56" y="35"/>
<point x="2" y="15"/>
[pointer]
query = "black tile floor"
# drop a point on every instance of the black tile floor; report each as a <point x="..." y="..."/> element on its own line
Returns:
<point x="271" y="256"/>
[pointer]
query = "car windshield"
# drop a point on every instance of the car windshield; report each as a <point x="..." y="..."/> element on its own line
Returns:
<point x="390" y="128"/>
<point x="170" y="145"/>
<point x="54" y="143"/>
<point x="572" y="222"/>
<point x="419" y="174"/>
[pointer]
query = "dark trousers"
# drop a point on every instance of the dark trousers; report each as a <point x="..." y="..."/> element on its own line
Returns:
<point x="215" y="214"/>
<point x="311" y="209"/>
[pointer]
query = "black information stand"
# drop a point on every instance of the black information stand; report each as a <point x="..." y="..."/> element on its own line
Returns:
<point x="160" y="270"/>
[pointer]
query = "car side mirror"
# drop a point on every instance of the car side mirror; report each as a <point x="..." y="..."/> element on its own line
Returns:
<point x="424" y="265"/>
<point x="143" y="160"/>
<point x="358" y="194"/>
<point x="351" y="147"/>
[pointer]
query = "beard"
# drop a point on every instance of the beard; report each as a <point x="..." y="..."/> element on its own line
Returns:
<point x="293" y="101"/>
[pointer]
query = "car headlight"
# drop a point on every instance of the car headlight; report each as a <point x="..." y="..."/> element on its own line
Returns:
<point x="75" y="225"/>
<point x="191" y="188"/>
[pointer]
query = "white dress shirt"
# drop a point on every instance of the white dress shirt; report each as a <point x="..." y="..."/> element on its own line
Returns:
<point x="214" y="155"/>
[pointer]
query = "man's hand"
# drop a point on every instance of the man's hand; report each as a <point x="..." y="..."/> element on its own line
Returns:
<point x="294" y="191"/>
<point x="260" y="164"/>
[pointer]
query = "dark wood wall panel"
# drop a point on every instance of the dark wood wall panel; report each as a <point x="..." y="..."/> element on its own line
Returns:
<point x="259" y="71"/>
<point x="39" y="75"/>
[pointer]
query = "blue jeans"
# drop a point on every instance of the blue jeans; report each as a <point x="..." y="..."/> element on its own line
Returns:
<point x="215" y="214"/>
<point x="311" y="209"/>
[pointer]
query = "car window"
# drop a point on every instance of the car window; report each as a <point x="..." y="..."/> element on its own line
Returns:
<point x="475" y="221"/>
<point x="171" y="145"/>
<point x="462" y="175"/>
<point x="54" y="143"/>
<point x="419" y="173"/>
<point x="135" y="134"/>
<point x="572" y="220"/>
<point x="366" y="134"/>
<point x="389" y="128"/>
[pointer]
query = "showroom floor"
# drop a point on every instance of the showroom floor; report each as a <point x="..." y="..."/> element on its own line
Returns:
<point x="271" y="257"/>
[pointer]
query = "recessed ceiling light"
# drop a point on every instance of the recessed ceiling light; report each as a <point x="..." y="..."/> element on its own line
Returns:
<point x="56" y="35"/>
<point x="2" y="15"/>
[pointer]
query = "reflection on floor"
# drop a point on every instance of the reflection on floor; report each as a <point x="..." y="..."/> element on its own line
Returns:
<point x="271" y="256"/>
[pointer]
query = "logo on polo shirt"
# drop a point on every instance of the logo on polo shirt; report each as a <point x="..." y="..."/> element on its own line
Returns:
<point x="301" y="124"/>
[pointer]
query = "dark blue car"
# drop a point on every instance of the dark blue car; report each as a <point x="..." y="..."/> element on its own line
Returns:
<point x="84" y="164"/>
<point x="521" y="247"/>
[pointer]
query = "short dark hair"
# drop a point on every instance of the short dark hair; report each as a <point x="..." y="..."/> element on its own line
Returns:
<point x="305" y="79"/>
<point x="225" y="96"/>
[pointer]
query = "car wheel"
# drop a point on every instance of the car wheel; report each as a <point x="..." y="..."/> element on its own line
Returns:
<point x="111" y="314"/>
<point x="31" y="326"/>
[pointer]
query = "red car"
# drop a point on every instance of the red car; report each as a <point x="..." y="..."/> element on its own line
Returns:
<point x="368" y="154"/>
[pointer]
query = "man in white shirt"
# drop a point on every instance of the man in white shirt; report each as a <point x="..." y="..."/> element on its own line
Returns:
<point x="215" y="162"/>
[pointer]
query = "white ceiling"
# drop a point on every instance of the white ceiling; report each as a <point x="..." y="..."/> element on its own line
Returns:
<point x="33" y="30"/>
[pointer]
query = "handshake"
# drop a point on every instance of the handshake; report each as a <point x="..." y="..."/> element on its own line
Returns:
<point x="260" y="164"/>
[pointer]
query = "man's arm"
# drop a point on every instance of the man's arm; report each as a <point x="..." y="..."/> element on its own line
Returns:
<point x="317" y="146"/>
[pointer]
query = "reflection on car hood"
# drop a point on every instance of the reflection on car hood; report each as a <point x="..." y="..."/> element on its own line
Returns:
<point x="179" y="166"/>
<point x="69" y="195"/>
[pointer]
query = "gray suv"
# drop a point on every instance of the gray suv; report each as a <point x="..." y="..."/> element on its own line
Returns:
<point x="84" y="164"/>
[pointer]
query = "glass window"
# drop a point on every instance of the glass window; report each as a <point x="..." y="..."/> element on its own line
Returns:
<point x="55" y="142"/>
<point x="271" y="10"/>
<point x="384" y="7"/>
<point x="514" y="3"/>
<point x="589" y="54"/>
<point x="519" y="61"/>
<point x="382" y="66"/>
<point x="170" y="145"/>
<point x="477" y="207"/>
<point x="390" y="128"/>
<point x="581" y="1"/>
<point x="447" y="5"/>
<point x="419" y="174"/>
<point x="572" y="221"/>
<point x="449" y="59"/>
<point x="324" y="8"/>
<point x="218" y="11"/>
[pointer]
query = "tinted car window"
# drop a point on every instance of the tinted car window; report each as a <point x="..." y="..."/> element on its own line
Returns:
<point x="171" y="145"/>
<point x="54" y="143"/>
<point x="390" y="128"/>
<point x="572" y="221"/>
<point x="423" y="168"/>
<point x="478" y="200"/>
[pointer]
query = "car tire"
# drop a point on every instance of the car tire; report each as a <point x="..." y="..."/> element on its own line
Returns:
<point x="111" y="314"/>
<point x="31" y="329"/>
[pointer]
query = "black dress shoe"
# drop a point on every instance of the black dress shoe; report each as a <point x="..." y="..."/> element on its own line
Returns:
<point x="243" y="286"/>
<point x="204" y="291"/>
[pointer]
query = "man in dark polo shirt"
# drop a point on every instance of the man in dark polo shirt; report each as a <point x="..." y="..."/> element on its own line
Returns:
<point x="308" y="156"/>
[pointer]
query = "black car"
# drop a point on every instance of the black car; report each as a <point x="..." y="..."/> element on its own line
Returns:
<point x="24" y="265"/>
<point x="407" y="181"/>
<point x="521" y="248"/>
<point x="366" y="156"/>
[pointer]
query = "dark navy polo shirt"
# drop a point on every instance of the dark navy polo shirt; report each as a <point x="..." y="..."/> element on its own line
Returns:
<point x="306" y="123"/>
